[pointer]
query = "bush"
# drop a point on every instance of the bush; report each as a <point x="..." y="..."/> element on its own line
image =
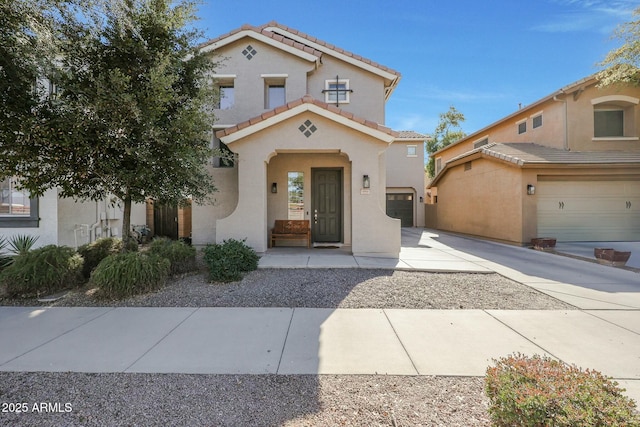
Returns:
<point x="228" y="260"/>
<point x="42" y="271"/>
<point x="181" y="256"/>
<point x="131" y="273"/>
<point x="16" y="245"/>
<point x="95" y="252"/>
<point x="539" y="391"/>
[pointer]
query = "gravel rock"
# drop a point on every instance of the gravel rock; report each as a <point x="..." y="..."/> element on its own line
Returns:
<point x="242" y="400"/>
<point x="334" y="288"/>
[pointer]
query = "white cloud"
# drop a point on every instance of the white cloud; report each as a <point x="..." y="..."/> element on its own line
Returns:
<point x="588" y="16"/>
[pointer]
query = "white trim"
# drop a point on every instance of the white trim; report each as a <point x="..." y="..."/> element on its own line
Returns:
<point x="328" y="91"/>
<point x="273" y="120"/>
<point x="615" y="98"/>
<point x="261" y="38"/>
<point x="224" y="76"/>
<point x="274" y="76"/>
<point x="415" y="149"/>
<point x="615" y="138"/>
<point x="341" y="56"/>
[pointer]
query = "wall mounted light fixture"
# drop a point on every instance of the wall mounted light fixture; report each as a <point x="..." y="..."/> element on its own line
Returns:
<point x="274" y="187"/>
<point x="531" y="189"/>
<point x="365" y="181"/>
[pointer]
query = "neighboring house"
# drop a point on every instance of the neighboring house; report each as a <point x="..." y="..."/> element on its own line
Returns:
<point x="306" y="121"/>
<point x="566" y="166"/>
<point x="59" y="221"/>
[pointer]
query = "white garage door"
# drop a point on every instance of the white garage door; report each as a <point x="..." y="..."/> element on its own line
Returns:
<point x="589" y="210"/>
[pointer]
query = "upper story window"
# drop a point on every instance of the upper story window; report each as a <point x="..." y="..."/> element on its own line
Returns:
<point x="17" y="208"/>
<point x="412" y="151"/>
<point x="613" y="117"/>
<point x="336" y="91"/>
<point x="522" y="127"/>
<point x="275" y="93"/>
<point x="225" y="159"/>
<point x="438" y="164"/>
<point x="536" y="121"/>
<point x="226" y="91"/>
<point x="479" y="143"/>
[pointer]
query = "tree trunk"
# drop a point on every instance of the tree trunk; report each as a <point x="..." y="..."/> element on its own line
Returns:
<point x="126" y="223"/>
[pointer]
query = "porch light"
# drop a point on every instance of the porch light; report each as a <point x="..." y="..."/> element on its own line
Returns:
<point x="274" y="187"/>
<point x="531" y="190"/>
<point x="365" y="181"/>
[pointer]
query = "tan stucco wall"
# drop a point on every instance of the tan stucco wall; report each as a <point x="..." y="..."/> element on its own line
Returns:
<point x="372" y="233"/>
<point x="225" y="201"/>
<point x="249" y="87"/>
<point x="484" y="201"/>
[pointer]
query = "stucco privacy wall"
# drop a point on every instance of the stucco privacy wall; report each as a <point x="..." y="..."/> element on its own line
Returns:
<point x="483" y="210"/>
<point x="372" y="232"/>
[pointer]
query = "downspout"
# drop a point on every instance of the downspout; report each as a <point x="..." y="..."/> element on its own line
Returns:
<point x="565" y="144"/>
<point x="92" y="227"/>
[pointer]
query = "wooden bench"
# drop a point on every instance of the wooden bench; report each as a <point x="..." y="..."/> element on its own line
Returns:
<point x="290" y="229"/>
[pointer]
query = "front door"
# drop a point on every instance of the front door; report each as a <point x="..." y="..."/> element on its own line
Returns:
<point x="326" y="205"/>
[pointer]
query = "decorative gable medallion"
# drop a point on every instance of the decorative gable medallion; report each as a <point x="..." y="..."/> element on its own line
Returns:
<point x="307" y="128"/>
<point x="249" y="52"/>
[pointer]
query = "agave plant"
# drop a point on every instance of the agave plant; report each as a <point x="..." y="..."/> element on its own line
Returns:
<point x="21" y="244"/>
<point x="16" y="245"/>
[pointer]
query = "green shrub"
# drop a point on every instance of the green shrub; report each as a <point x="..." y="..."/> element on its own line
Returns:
<point x="540" y="391"/>
<point x="228" y="260"/>
<point x="130" y="273"/>
<point x="16" y="245"/>
<point x="181" y="256"/>
<point x="42" y="271"/>
<point x="95" y="252"/>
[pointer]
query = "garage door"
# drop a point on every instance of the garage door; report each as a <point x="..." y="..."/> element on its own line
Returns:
<point x="589" y="210"/>
<point x="400" y="205"/>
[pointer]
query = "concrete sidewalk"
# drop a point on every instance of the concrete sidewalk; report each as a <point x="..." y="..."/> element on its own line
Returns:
<point x="313" y="341"/>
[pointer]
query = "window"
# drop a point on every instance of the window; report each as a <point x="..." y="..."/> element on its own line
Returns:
<point x="295" y="192"/>
<point x="225" y="160"/>
<point x="336" y="91"/>
<point x="275" y="96"/>
<point x="412" y="151"/>
<point x="613" y="117"/>
<point x="481" y="142"/>
<point x="608" y="123"/>
<point x="438" y="164"/>
<point x="275" y="93"/>
<point x="227" y="97"/>
<point x="536" y="121"/>
<point x="226" y="91"/>
<point x="522" y="127"/>
<point x="17" y="208"/>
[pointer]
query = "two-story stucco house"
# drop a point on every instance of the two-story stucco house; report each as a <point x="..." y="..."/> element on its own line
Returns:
<point x="306" y="121"/>
<point x="566" y="166"/>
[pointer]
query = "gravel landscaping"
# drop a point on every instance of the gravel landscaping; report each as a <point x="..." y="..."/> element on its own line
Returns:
<point x="80" y="399"/>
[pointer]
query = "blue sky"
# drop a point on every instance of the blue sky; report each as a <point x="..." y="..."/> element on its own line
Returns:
<point x="482" y="57"/>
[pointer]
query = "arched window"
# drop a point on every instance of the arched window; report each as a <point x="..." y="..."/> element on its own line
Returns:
<point x="613" y="116"/>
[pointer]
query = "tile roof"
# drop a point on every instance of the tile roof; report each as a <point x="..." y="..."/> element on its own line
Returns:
<point x="409" y="134"/>
<point x="534" y="154"/>
<point x="264" y="32"/>
<point x="334" y="48"/>
<point x="307" y="99"/>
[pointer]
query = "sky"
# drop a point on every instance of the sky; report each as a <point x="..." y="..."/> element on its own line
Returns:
<point x="485" y="58"/>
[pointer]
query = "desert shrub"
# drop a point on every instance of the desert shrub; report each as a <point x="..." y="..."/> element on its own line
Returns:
<point x="96" y="251"/>
<point x="227" y="261"/>
<point x="130" y="273"/>
<point x="41" y="271"/>
<point x="181" y="256"/>
<point x="14" y="246"/>
<point x="540" y="391"/>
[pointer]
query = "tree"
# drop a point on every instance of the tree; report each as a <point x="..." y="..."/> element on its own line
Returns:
<point x="447" y="132"/>
<point x="622" y="65"/>
<point x="133" y="116"/>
